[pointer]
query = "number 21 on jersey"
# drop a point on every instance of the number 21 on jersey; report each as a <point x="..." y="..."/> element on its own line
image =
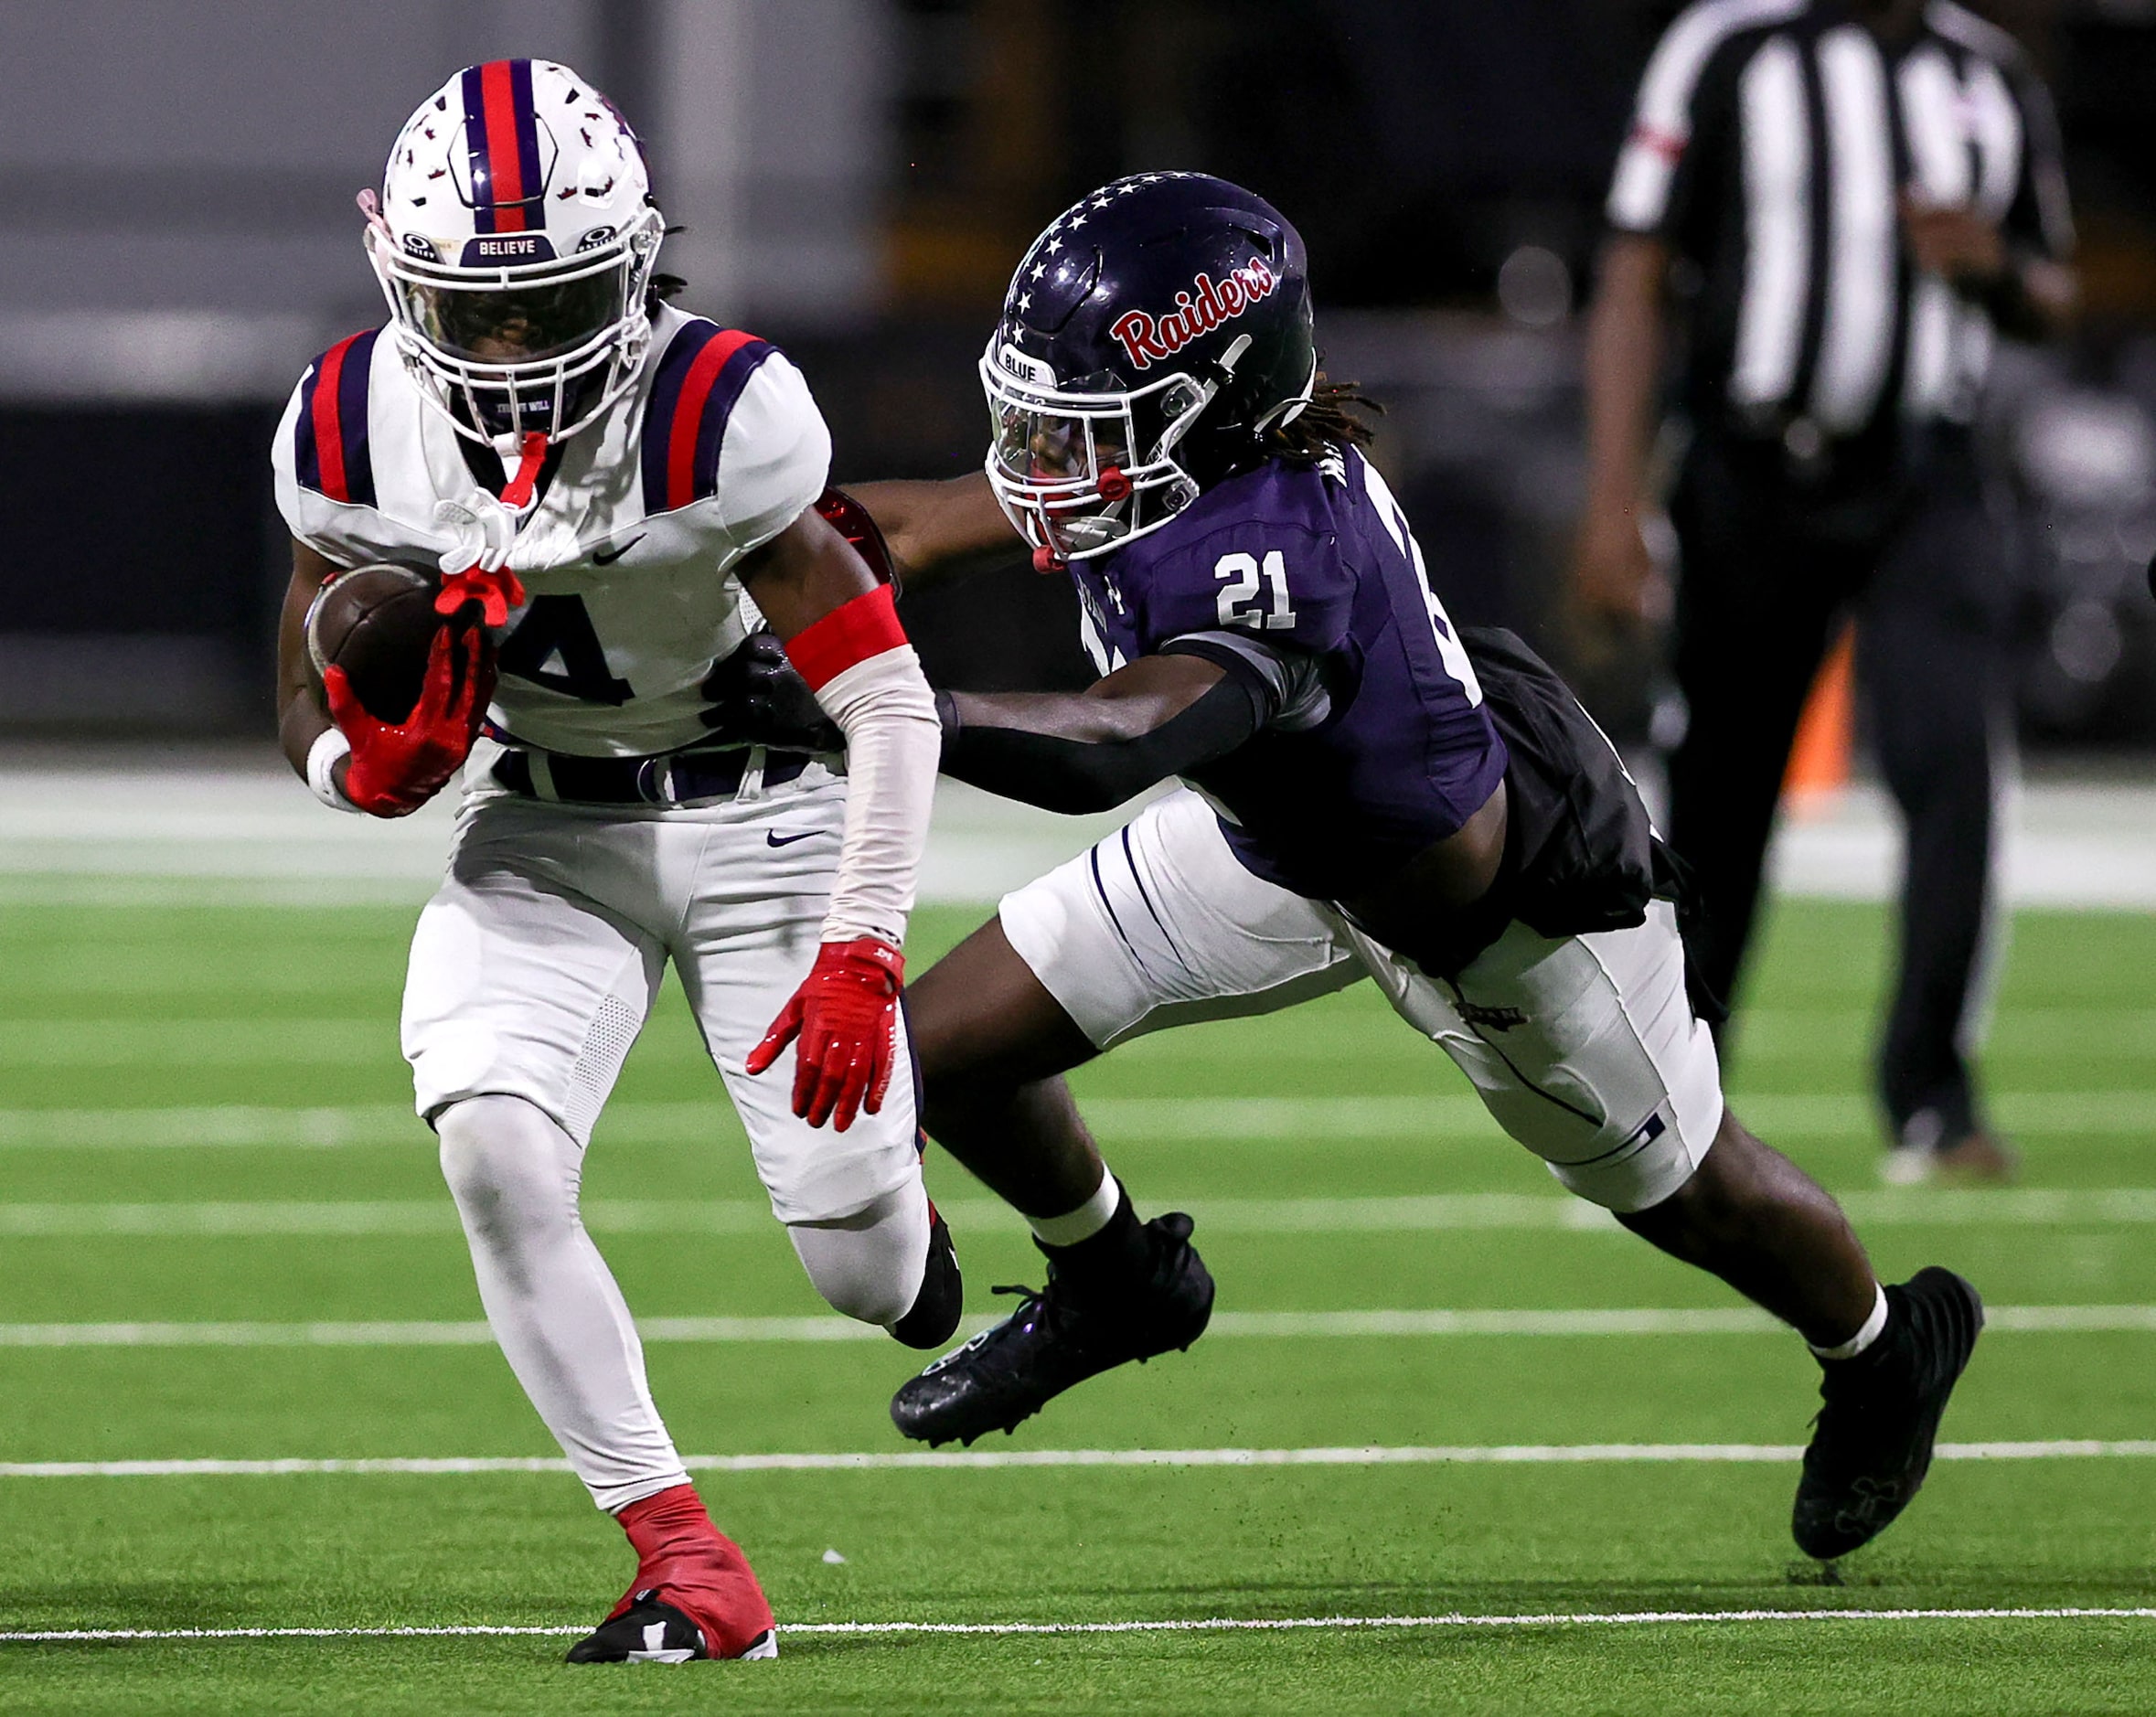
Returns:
<point x="1238" y="602"/>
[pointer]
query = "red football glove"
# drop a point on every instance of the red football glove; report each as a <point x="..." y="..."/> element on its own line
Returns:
<point x="845" y="1015"/>
<point x="395" y="769"/>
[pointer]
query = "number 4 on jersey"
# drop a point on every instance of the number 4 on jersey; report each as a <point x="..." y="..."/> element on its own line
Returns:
<point x="554" y="645"/>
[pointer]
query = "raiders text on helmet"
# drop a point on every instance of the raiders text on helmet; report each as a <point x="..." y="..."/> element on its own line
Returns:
<point x="514" y="239"/>
<point x="1149" y="338"/>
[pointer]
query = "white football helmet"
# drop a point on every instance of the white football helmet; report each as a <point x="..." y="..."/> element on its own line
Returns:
<point x="514" y="239"/>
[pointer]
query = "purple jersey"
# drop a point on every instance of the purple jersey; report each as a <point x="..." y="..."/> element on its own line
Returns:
<point x="1321" y="561"/>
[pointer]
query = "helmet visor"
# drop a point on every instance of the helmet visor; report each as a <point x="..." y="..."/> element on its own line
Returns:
<point x="1036" y="447"/>
<point x="527" y="323"/>
<point x="1079" y="471"/>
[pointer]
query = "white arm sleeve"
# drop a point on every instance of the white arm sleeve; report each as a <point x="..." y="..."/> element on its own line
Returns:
<point x="893" y="744"/>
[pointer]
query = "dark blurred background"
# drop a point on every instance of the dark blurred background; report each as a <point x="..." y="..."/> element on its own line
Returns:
<point x="177" y="237"/>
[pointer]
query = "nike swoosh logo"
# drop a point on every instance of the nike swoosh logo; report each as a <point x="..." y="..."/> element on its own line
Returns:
<point x="607" y="556"/>
<point x="777" y="839"/>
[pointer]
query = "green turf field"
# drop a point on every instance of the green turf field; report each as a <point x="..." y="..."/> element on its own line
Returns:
<point x="223" y="1239"/>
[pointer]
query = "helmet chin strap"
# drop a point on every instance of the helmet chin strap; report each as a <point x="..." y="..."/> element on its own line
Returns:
<point x="530" y="456"/>
<point x="1288" y="410"/>
<point x="1221" y="370"/>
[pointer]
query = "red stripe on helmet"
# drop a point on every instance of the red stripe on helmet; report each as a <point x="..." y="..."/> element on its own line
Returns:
<point x="851" y="632"/>
<point x="329" y="422"/>
<point x="688" y="413"/>
<point x="505" y="166"/>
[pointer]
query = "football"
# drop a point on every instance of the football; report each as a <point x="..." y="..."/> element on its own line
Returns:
<point x="376" y="622"/>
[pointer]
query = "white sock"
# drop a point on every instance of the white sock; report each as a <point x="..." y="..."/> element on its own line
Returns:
<point x="1083" y="1222"/>
<point x="560" y="1320"/>
<point x="1875" y="1326"/>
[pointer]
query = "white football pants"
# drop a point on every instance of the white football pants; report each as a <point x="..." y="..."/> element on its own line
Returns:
<point x="532" y="970"/>
<point x="561" y="1321"/>
<point x="1584" y="1049"/>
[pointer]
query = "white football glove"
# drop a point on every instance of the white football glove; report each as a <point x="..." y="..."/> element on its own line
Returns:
<point x="484" y="530"/>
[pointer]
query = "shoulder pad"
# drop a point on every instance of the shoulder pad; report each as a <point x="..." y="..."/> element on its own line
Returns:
<point x="700" y="376"/>
<point x="330" y="454"/>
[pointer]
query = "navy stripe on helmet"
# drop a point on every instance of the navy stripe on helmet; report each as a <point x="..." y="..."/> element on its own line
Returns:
<point x="482" y="172"/>
<point x="527" y="152"/>
<point x="501" y="145"/>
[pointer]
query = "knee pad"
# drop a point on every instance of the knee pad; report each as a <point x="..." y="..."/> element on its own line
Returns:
<point x="870" y="1266"/>
<point x="509" y="1166"/>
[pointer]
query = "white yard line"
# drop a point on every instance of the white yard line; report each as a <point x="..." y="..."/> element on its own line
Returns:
<point x="246" y="831"/>
<point x="196" y="1041"/>
<point x="1592" y="1321"/>
<point x="1206" y="1625"/>
<point x="1549" y="1618"/>
<point x="249" y="1125"/>
<point x="1436" y="1118"/>
<point x="249" y="836"/>
<point x="1467" y="1455"/>
<point x="261" y="1219"/>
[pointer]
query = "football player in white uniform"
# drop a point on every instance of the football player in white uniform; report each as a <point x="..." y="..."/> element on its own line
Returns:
<point x="630" y="495"/>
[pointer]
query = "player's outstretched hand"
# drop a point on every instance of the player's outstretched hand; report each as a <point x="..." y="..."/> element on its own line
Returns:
<point x="846" y="1015"/>
<point x="758" y="698"/>
<point x="396" y="767"/>
<point x="1613" y="572"/>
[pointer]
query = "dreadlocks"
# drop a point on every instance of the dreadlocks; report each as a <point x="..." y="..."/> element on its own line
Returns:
<point x="1333" y="419"/>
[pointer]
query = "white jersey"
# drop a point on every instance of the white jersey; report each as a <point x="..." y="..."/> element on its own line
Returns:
<point x="626" y="559"/>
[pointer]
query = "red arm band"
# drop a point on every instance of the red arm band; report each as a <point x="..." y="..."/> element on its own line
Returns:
<point x="853" y="632"/>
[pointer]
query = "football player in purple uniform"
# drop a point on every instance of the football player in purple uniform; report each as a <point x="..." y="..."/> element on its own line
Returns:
<point x="1367" y="792"/>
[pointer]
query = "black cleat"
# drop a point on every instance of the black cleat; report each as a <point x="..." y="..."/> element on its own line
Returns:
<point x="1059" y="1336"/>
<point x="941" y="1299"/>
<point x="1871" y="1445"/>
<point x="651" y="1631"/>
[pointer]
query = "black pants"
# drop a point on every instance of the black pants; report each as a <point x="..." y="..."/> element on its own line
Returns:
<point x="1770" y="566"/>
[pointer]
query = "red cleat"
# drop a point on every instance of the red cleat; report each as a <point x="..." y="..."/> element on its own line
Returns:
<point x="694" y="1597"/>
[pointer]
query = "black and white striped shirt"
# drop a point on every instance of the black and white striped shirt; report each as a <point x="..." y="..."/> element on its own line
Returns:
<point x="1771" y="142"/>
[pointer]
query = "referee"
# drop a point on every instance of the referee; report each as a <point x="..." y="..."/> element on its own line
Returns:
<point x="1847" y="200"/>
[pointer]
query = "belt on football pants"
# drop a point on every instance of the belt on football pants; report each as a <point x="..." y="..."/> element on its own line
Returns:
<point x="672" y="778"/>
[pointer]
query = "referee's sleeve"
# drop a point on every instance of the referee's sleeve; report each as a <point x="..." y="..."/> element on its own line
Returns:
<point x="2040" y="216"/>
<point x="1647" y="194"/>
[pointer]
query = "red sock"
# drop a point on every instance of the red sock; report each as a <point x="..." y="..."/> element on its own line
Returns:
<point x="694" y="1566"/>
